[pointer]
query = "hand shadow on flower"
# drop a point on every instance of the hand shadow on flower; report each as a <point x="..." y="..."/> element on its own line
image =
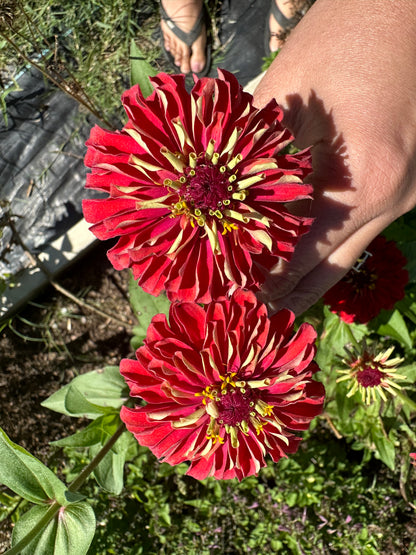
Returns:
<point x="314" y="127"/>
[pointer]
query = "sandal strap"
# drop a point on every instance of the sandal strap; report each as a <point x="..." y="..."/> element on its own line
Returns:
<point x="190" y="37"/>
<point x="282" y="20"/>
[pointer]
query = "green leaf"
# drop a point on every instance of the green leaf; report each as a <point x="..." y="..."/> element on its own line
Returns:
<point x="410" y="372"/>
<point x="44" y="541"/>
<point x="109" y="472"/>
<point x="73" y="496"/>
<point x="91" y="394"/>
<point x="164" y="514"/>
<point x="145" y="306"/>
<point x="337" y="334"/>
<point x="291" y="499"/>
<point x="409" y="251"/>
<point x="409" y="403"/>
<point x="140" y="70"/>
<point x="69" y="533"/>
<point x="407" y="305"/>
<point x="384" y="446"/>
<point x="136" y="341"/>
<point x="76" y="404"/>
<point x="402" y="230"/>
<point x="26" y="475"/>
<point x="345" y="405"/>
<point x="76" y="529"/>
<point x="98" y="431"/>
<point x="396" y="328"/>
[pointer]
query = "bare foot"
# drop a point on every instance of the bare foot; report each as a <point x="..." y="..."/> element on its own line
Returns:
<point x="184" y="13"/>
<point x="288" y="8"/>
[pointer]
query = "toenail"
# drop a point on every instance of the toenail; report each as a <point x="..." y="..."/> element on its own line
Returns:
<point x="196" y="67"/>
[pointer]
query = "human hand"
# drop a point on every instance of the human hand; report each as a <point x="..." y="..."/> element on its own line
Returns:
<point x="347" y="80"/>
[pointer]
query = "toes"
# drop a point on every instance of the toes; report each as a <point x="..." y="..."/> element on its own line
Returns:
<point x="181" y="57"/>
<point x="276" y="32"/>
<point x="184" y="60"/>
<point x="198" y="59"/>
<point x="179" y="51"/>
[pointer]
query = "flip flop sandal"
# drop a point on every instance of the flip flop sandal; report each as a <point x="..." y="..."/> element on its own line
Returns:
<point x="188" y="38"/>
<point x="284" y="22"/>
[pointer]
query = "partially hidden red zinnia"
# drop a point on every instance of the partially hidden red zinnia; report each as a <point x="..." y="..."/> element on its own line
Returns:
<point x="223" y="385"/>
<point x="375" y="282"/>
<point x="197" y="188"/>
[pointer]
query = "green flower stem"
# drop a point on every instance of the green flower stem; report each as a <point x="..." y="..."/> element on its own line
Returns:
<point x="405" y="399"/>
<point x="74" y="486"/>
<point x="79" y="480"/>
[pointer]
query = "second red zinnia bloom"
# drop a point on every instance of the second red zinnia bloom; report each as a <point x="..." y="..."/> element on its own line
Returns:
<point x="198" y="186"/>
<point x="376" y="282"/>
<point x="223" y="385"/>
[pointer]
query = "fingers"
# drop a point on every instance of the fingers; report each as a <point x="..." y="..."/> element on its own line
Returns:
<point x="291" y="287"/>
<point x="309" y="289"/>
<point x="334" y="224"/>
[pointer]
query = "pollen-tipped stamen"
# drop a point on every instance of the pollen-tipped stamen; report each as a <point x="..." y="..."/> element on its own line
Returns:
<point x="176" y="162"/>
<point x="234" y="161"/>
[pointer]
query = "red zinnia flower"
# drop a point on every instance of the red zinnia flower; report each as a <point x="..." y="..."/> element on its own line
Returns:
<point x="197" y="188"/>
<point x="376" y="282"/>
<point x="223" y="385"/>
